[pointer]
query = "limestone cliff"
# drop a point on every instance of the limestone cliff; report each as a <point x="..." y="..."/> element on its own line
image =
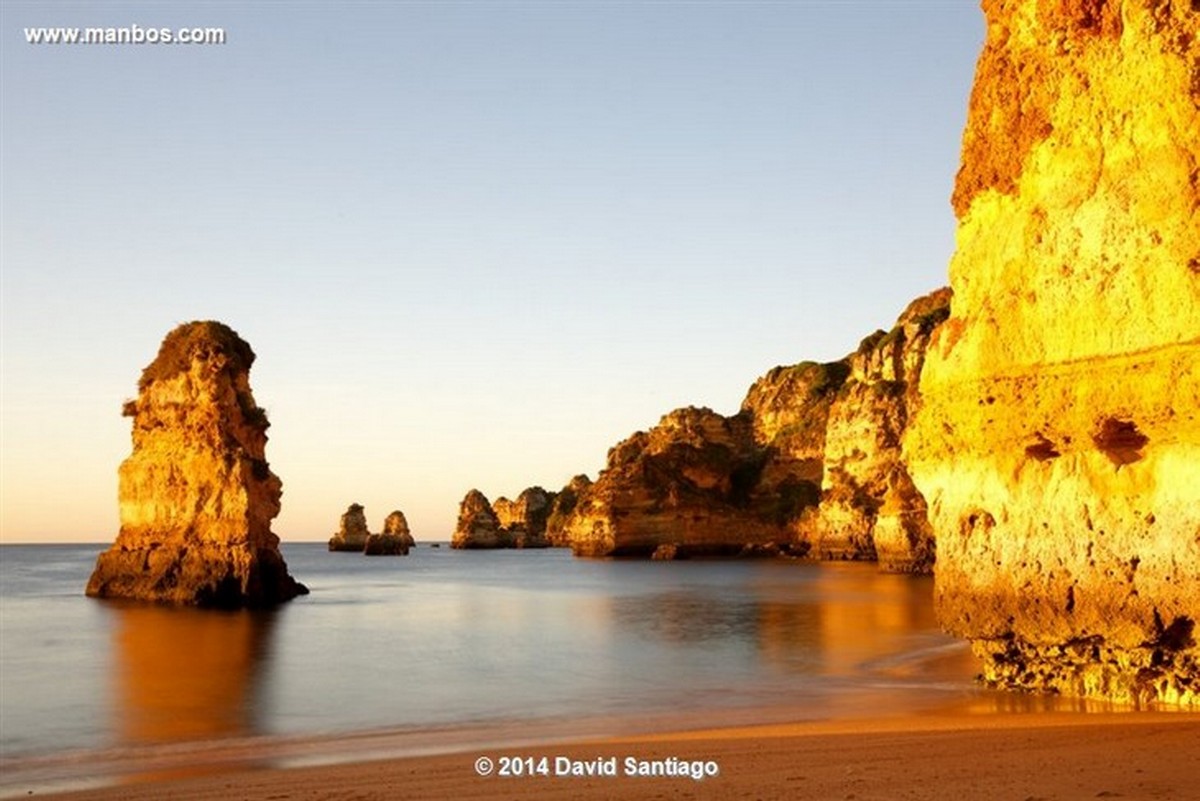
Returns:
<point x="352" y="531"/>
<point x="869" y="507"/>
<point x="196" y="494"/>
<point x="478" y="526"/>
<point x="789" y="411"/>
<point x="1058" y="438"/>
<point x="811" y="465"/>
<point x="686" y="482"/>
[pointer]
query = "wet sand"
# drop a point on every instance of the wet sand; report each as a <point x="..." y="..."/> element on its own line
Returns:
<point x="1047" y="756"/>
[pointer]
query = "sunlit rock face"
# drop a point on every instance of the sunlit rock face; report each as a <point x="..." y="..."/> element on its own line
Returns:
<point x="561" y="509"/>
<point x="1058" y="440"/>
<point x="789" y="411"/>
<point x="869" y="507"/>
<point x="394" y="540"/>
<point x="352" y="530"/>
<point x="396" y="524"/>
<point x="196" y="495"/>
<point x="685" y="483"/>
<point x="478" y="526"/>
<point x="524" y="520"/>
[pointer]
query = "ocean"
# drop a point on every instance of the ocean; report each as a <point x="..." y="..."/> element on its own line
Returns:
<point x="510" y="643"/>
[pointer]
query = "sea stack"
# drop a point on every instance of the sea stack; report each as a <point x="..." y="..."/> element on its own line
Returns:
<point x="394" y="540"/>
<point x="352" y="530"/>
<point x="196" y="494"/>
<point x="1058" y="440"/>
<point x="478" y="526"/>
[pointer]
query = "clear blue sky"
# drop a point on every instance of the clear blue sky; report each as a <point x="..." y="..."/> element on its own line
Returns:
<point x="473" y="244"/>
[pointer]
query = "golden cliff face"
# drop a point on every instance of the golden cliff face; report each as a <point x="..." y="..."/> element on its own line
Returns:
<point x="1058" y="440"/>
<point x="196" y="495"/>
<point x="869" y="507"/>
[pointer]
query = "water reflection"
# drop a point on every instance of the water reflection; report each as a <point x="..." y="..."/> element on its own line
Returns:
<point x="187" y="674"/>
<point x="832" y="620"/>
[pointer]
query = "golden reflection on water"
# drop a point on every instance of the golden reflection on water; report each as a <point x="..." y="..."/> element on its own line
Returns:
<point x="186" y="674"/>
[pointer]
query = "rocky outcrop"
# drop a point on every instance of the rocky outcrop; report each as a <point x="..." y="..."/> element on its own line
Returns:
<point x="561" y="508"/>
<point x="352" y="531"/>
<point x="685" y="483"/>
<point x="397" y="524"/>
<point x="478" y="526"/>
<point x="524" y="520"/>
<point x="196" y="494"/>
<point x="869" y="507"/>
<point x="811" y="465"/>
<point x="394" y="540"/>
<point x="1058" y="438"/>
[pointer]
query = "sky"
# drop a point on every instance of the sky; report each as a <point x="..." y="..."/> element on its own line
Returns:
<point x="473" y="244"/>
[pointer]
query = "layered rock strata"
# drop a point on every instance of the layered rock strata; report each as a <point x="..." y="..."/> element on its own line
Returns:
<point x="1058" y="438"/>
<point x="352" y="531"/>
<point x="196" y="494"/>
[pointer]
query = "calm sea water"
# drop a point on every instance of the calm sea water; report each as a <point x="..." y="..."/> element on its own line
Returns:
<point x="456" y="638"/>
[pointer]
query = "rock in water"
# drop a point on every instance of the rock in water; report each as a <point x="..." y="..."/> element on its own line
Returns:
<point x="397" y="524"/>
<point x="478" y="526"/>
<point x="352" y="531"/>
<point x="394" y="540"/>
<point x="196" y="495"/>
<point x="1058" y="440"/>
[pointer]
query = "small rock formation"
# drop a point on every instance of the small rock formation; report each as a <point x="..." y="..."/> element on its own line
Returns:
<point x="870" y="508"/>
<point x="394" y="540"/>
<point x="397" y="524"/>
<point x="478" y="526"/>
<point x="1057" y="441"/>
<point x="524" y="520"/>
<point x="561" y="508"/>
<point x="352" y="532"/>
<point x="196" y="494"/>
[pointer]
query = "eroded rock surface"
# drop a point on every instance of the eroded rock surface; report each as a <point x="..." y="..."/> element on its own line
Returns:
<point x="1058" y="439"/>
<point x="196" y="494"/>
<point x="397" y="524"/>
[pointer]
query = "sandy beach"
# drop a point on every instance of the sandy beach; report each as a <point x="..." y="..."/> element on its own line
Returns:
<point x="1022" y="756"/>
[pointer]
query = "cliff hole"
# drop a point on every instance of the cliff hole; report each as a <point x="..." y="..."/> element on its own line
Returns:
<point x="1042" y="449"/>
<point x="1120" y="440"/>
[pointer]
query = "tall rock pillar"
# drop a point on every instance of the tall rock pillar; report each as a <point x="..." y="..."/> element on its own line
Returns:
<point x="196" y="495"/>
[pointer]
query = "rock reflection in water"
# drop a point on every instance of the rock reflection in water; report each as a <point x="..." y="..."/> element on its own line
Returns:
<point x="187" y="674"/>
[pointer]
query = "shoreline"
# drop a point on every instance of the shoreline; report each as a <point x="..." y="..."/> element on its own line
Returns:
<point x="951" y="755"/>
